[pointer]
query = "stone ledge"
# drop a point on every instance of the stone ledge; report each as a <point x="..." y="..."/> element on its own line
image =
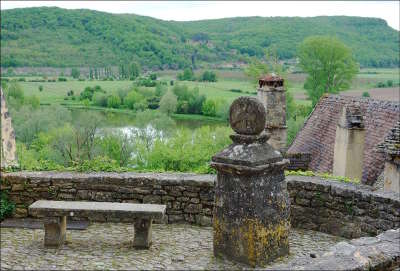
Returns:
<point x="189" y="179"/>
<point x="367" y="253"/>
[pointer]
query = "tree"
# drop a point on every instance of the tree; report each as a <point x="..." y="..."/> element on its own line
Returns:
<point x="329" y="65"/>
<point x="209" y="76"/>
<point x="113" y="101"/>
<point x="168" y="103"/>
<point x="134" y="100"/>
<point x="209" y="108"/>
<point x="75" y="73"/>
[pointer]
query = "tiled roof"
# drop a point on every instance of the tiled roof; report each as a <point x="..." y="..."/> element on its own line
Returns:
<point x="391" y="145"/>
<point x="318" y="134"/>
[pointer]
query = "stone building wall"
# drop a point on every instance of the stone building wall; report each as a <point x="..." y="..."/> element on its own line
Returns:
<point x="8" y="149"/>
<point x="328" y="206"/>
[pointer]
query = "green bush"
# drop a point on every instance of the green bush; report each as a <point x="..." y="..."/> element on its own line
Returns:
<point x="366" y="94"/>
<point x="15" y="91"/>
<point x="62" y="79"/>
<point x="134" y="100"/>
<point x="40" y="88"/>
<point x="209" y="76"/>
<point x="32" y="101"/>
<point x="6" y="207"/>
<point x="209" y="108"/>
<point x="75" y="73"/>
<point x="100" y="99"/>
<point x="187" y="75"/>
<point x="113" y="101"/>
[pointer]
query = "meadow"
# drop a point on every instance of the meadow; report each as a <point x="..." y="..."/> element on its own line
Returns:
<point x="228" y="80"/>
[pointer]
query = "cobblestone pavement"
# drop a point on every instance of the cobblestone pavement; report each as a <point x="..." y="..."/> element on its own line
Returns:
<point x="107" y="246"/>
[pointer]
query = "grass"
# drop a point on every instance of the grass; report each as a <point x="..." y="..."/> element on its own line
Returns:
<point x="54" y="92"/>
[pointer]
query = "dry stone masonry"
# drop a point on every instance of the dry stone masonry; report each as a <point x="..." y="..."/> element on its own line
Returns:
<point x="8" y="147"/>
<point x="391" y="148"/>
<point x="342" y="209"/>
<point x="271" y="93"/>
<point x="251" y="213"/>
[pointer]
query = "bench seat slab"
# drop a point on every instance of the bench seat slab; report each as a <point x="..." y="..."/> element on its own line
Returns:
<point x="48" y="208"/>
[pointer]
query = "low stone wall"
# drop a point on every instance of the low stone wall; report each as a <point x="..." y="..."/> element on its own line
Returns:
<point x="341" y="209"/>
<point x="328" y="206"/>
<point x="189" y="197"/>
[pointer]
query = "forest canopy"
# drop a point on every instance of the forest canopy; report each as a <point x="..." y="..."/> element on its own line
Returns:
<point x="58" y="37"/>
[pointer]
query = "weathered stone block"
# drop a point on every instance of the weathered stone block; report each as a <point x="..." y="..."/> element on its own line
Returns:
<point x="151" y="199"/>
<point x="193" y="208"/>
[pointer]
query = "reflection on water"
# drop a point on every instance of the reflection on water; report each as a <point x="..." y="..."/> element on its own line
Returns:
<point x="128" y="125"/>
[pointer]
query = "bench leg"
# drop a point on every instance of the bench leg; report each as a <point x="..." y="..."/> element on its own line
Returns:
<point x="55" y="229"/>
<point x="142" y="238"/>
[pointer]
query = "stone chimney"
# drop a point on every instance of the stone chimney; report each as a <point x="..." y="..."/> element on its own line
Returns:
<point x="8" y="147"/>
<point x="251" y="207"/>
<point x="272" y="95"/>
<point x="349" y="143"/>
<point x="391" y="147"/>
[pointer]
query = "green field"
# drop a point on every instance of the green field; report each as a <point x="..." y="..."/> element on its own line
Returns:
<point x="55" y="92"/>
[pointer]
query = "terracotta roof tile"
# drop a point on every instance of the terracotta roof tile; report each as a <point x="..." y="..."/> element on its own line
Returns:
<point x="318" y="134"/>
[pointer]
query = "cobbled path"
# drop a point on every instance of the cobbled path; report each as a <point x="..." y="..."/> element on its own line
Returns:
<point x="107" y="246"/>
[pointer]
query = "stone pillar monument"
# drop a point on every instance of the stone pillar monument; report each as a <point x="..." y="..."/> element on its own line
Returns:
<point x="391" y="147"/>
<point x="349" y="143"/>
<point x="251" y="210"/>
<point x="271" y="93"/>
<point x="8" y="147"/>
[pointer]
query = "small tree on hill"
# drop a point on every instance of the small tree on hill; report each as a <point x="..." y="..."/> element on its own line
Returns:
<point x="75" y="73"/>
<point x="168" y="103"/>
<point x="329" y="65"/>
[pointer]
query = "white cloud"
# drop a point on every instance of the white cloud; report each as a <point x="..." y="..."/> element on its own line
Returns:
<point x="186" y="10"/>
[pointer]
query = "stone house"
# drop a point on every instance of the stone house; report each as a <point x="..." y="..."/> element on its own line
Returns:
<point x="319" y="133"/>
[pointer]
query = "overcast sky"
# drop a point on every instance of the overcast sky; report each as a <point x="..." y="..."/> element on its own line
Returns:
<point x="186" y="10"/>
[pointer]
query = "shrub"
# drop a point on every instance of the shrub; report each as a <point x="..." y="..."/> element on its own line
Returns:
<point x="187" y="75"/>
<point x="366" y="94"/>
<point x="15" y="91"/>
<point x="113" y="101"/>
<point x="6" y="207"/>
<point x="40" y="88"/>
<point x="168" y="103"/>
<point x="87" y="93"/>
<point x="134" y="100"/>
<point x="209" y="108"/>
<point x="32" y="101"/>
<point x="75" y="73"/>
<point x="209" y="76"/>
<point x="22" y="79"/>
<point x="153" y="76"/>
<point x="236" y="90"/>
<point x="62" y="79"/>
<point x="100" y="99"/>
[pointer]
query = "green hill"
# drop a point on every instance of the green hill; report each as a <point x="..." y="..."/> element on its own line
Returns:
<point x="63" y="38"/>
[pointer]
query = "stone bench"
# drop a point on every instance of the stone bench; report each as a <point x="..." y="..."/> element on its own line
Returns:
<point x="56" y="212"/>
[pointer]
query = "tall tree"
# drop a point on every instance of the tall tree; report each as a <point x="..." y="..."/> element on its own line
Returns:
<point x="329" y="64"/>
<point x="168" y="103"/>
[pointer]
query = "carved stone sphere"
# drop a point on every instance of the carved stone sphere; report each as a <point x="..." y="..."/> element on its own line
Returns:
<point x="247" y="116"/>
